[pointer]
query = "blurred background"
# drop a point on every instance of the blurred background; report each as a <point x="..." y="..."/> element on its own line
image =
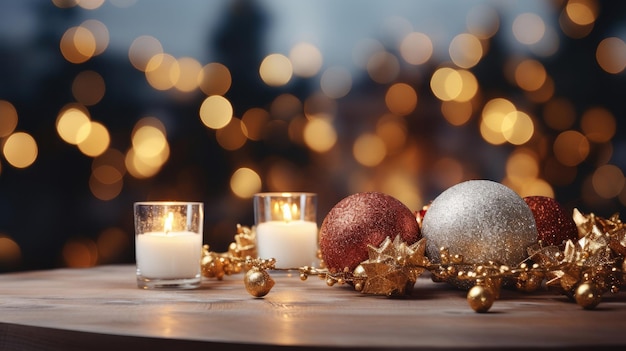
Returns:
<point x="108" y="102"/>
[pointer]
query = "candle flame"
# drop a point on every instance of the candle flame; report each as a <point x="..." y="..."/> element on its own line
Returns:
<point x="169" y="220"/>
<point x="287" y="213"/>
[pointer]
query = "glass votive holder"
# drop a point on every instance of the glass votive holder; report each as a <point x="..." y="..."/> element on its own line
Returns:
<point x="286" y="228"/>
<point x="168" y="244"/>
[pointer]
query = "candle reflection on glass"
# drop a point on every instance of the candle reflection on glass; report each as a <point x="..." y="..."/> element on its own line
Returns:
<point x="286" y="228"/>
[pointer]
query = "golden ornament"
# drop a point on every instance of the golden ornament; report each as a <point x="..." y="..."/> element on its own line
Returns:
<point x="258" y="282"/>
<point x="393" y="268"/>
<point x="588" y="296"/>
<point x="480" y="298"/>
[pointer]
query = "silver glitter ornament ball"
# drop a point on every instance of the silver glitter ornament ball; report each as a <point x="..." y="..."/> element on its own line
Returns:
<point x="481" y="220"/>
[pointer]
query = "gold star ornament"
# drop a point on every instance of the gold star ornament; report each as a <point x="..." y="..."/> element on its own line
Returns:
<point x="392" y="269"/>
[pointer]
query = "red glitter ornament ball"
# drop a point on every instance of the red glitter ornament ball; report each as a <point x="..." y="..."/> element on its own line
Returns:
<point x="554" y="225"/>
<point x="360" y="220"/>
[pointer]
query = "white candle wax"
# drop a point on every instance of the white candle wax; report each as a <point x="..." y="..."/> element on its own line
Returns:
<point x="292" y="243"/>
<point x="169" y="256"/>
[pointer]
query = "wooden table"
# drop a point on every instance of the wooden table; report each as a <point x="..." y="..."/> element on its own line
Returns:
<point x="102" y="308"/>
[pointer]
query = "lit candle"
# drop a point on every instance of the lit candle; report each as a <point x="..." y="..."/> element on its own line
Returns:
<point x="168" y="254"/>
<point x="285" y="230"/>
<point x="168" y="244"/>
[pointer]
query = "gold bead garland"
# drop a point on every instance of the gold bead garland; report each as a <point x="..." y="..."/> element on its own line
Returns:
<point x="583" y="270"/>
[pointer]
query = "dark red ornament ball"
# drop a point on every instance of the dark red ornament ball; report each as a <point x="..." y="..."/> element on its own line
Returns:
<point x="554" y="224"/>
<point x="360" y="220"/>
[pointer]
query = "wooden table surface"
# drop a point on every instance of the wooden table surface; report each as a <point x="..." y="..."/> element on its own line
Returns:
<point x="102" y="308"/>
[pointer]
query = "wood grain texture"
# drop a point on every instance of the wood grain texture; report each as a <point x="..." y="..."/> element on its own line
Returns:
<point x="102" y="308"/>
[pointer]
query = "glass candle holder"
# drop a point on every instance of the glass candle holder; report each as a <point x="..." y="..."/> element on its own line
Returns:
<point x="168" y="244"/>
<point x="286" y="228"/>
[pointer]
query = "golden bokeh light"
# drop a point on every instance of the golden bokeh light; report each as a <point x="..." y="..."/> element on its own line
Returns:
<point x="10" y="253"/>
<point x="483" y="21"/>
<point x="369" y="150"/>
<point x="532" y="187"/>
<point x="572" y="29"/>
<point x="73" y="124"/>
<point x="106" y="174"/>
<point x="598" y="124"/>
<point x="446" y="83"/>
<point x="465" y="50"/>
<point x="216" y="112"/>
<point x="492" y="122"/>
<point x="80" y="253"/>
<point x="530" y="75"/>
<point x="383" y="67"/>
<point x="581" y="12"/>
<point x="162" y="71"/>
<point x="88" y="88"/>
<point x="276" y="70"/>
<point x="457" y="113"/>
<point x="306" y="60"/>
<point x="522" y="166"/>
<point x="559" y="114"/>
<point x="401" y="185"/>
<point x="517" y="127"/>
<point x="608" y="181"/>
<point x="254" y="120"/>
<point x="611" y="55"/>
<point x="189" y="75"/>
<point x="336" y="82"/>
<point x="8" y="118"/>
<point x="245" y="182"/>
<point x="416" y="48"/>
<point x="89" y="4"/>
<point x="528" y="28"/>
<point x="401" y="99"/>
<point x="469" y="86"/>
<point x="108" y="190"/>
<point x="232" y="136"/>
<point x="571" y="148"/>
<point x="78" y="44"/>
<point x="20" y="150"/>
<point x="215" y="79"/>
<point x="295" y="129"/>
<point x="97" y="140"/>
<point x="150" y="149"/>
<point x="393" y="132"/>
<point x="142" y="50"/>
<point x="320" y="135"/>
<point x="100" y="33"/>
<point x="142" y="167"/>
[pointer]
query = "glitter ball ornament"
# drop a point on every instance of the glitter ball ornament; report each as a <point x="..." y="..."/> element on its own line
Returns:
<point x="554" y="225"/>
<point x="481" y="220"/>
<point x="360" y="220"/>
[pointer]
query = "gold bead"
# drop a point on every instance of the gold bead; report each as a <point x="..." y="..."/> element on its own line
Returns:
<point x="587" y="296"/>
<point x="258" y="282"/>
<point x="480" y="298"/>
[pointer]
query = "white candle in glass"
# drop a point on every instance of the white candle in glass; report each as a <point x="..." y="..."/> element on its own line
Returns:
<point x="293" y="243"/>
<point x="167" y="255"/>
